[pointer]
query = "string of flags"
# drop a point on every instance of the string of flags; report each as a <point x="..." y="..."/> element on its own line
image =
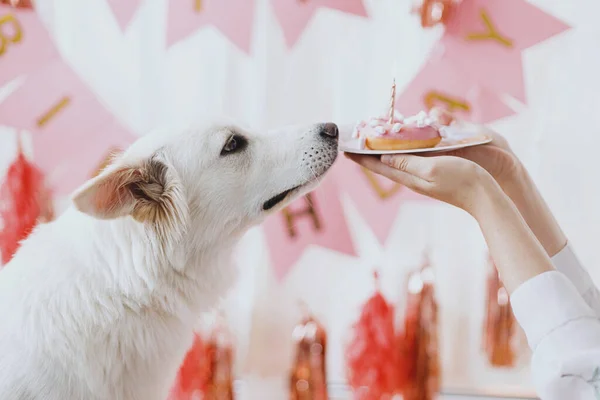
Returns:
<point x="476" y="64"/>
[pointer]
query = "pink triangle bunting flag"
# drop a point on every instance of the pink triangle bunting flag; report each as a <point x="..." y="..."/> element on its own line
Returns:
<point x="25" y="44"/>
<point x="234" y="18"/>
<point x="294" y="15"/>
<point x="72" y="131"/>
<point x="124" y="10"/>
<point x="438" y="83"/>
<point x="316" y="219"/>
<point x="485" y="40"/>
<point x="378" y="199"/>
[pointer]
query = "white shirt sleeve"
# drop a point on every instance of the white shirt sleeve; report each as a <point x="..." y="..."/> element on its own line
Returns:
<point x="566" y="262"/>
<point x="564" y="334"/>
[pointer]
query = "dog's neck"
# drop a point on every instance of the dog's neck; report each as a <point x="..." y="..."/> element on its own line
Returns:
<point x="199" y="271"/>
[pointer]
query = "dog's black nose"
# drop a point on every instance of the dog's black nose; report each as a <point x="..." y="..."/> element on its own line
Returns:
<point x="330" y="131"/>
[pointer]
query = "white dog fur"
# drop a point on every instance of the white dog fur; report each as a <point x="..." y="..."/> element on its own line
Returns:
<point x="101" y="303"/>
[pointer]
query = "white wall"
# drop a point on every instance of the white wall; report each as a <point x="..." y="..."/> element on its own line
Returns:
<point x="340" y="70"/>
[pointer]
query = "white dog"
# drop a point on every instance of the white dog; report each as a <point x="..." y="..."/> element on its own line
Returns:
<point x="101" y="303"/>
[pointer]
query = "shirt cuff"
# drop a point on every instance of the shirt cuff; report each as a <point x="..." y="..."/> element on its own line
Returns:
<point x="567" y="262"/>
<point x="545" y="303"/>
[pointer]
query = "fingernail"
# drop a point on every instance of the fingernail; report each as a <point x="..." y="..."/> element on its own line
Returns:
<point x="387" y="159"/>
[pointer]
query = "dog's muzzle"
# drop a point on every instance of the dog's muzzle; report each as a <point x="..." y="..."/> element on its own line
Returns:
<point x="318" y="161"/>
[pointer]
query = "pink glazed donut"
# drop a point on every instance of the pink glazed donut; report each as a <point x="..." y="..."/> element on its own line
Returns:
<point x="417" y="132"/>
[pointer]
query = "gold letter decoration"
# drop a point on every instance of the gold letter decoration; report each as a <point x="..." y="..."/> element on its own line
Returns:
<point x="491" y="32"/>
<point x="309" y="211"/>
<point x="382" y="192"/>
<point x="17" y="32"/>
<point x="452" y="104"/>
<point x="51" y="113"/>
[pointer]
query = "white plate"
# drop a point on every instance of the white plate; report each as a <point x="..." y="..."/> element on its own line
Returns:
<point x="453" y="140"/>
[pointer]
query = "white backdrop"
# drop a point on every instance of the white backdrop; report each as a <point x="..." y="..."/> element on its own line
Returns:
<point x="341" y="71"/>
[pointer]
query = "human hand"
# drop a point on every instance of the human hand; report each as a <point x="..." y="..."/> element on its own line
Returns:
<point x="450" y="179"/>
<point x="496" y="157"/>
<point x="517" y="253"/>
<point x="503" y="165"/>
<point x="499" y="160"/>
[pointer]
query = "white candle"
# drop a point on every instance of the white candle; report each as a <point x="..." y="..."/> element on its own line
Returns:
<point x="392" y="102"/>
<point x="393" y="95"/>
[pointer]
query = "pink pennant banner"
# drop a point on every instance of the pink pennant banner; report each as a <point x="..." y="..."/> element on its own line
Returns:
<point x="124" y="10"/>
<point x="234" y="18"/>
<point x="378" y="199"/>
<point x="485" y="40"/>
<point x="317" y="219"/>
<point x="440" y="84"/>
<point x="294" y="15"/>
<point x="25" y="44"/>
<point x="72" y="131"/>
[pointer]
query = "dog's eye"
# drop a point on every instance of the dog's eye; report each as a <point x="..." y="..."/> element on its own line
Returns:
<point x="234" y="144"/>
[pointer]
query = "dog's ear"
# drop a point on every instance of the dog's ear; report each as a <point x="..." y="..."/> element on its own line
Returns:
<point x="140" y="191"/>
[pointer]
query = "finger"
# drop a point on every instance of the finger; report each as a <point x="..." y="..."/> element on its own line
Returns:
<point x="477" y="154"/>
<point x="479" y="129"/>
<point x="411" y="164"/>
<point x="462" y="153"/>
<point x="482" y="155"/>
<point x="375" y="165"/>
<point x="445" y="117"/>
<point x="354" y="156"/>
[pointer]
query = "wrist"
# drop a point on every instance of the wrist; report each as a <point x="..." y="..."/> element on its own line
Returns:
<point x="517" y="183"/>
<point x="521" y="189"/>
<point x="518" y="255"/>
<point x="487" y="191"/>
<point x="513" y="175"/>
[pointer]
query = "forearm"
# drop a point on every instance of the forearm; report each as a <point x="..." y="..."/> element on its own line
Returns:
<point x="536" y="213"/>
<point x="538" y="216"/>
<point x="516" y="251"/>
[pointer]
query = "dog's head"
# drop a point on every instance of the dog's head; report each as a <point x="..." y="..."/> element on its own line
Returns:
<point x="219" y="180"/>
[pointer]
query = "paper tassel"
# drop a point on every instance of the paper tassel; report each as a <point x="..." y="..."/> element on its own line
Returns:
<point x="207" y="371"/>
<point x="420" y="347"/>
<point x="18" y="3"/>
<point x="500" y="324"/>
<point x="434" y="12"/>
<point x="309" y="377"/>
<point x="25" y="201"/>
<point x="193" y="378"/>
<point x="221" y="387"/>
<point x="371" y="355"/>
